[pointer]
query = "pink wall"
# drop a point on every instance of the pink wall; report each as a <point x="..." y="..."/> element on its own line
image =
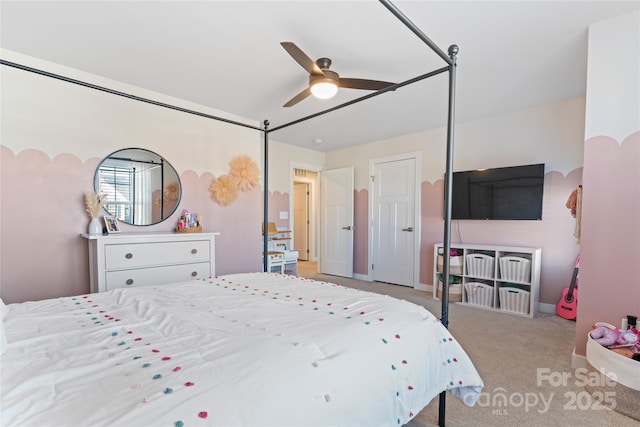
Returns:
<point x="361" y="232"/>
<point x="432" y="231"/>
<point x="278" y="202"/>
<point x="609" y="283"/>
<point x="42" y="216"/>
<point x="609" y="286"/>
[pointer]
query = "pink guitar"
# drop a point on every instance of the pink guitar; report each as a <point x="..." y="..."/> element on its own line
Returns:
<point x="567" y="307"/>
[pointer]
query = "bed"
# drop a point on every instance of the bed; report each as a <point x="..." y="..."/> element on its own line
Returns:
<point x="254" y="349"/>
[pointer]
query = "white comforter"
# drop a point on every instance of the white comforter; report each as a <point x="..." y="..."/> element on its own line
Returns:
<point x="255" y="349"/>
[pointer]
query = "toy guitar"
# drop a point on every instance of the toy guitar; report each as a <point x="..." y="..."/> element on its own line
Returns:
<point x="567" y="307"/>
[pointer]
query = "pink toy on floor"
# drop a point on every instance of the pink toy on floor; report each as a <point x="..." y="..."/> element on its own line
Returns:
<point x="609" y="336"/>
<point x="604" y="336"/>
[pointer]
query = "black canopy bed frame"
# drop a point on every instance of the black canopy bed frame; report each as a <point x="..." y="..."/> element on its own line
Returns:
<point x="450" y="60"/>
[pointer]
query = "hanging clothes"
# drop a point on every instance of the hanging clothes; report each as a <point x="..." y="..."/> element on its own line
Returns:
<point x="574" y="203"/>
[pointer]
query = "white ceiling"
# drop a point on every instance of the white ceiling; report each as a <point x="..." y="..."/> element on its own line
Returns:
<point x="227" y="55"/>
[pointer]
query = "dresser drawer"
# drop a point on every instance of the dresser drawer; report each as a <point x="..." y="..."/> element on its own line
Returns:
<point x="134" y="255"/>
<point x="156" y="275"/>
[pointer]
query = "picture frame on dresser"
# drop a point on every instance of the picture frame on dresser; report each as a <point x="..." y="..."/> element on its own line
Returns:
<point x="111" y="223"/>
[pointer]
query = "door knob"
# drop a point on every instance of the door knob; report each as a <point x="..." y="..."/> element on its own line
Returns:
<point x="408" y="229"/>
<point x="348" y="227"/>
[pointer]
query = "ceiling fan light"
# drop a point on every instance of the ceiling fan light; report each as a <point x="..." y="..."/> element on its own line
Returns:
<point x="324" y="88"/>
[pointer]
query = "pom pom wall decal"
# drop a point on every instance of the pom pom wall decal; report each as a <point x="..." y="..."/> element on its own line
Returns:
<point x="170" y="193"/>
<point x="245" y="172"/>
<point x="244" y="175"/>
<point x="224" y="190"/>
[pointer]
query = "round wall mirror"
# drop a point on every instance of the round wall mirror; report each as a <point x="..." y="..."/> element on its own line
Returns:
<point x="141" y="187"/>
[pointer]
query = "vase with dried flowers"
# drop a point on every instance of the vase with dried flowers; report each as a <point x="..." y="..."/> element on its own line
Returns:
<point x="94" y="204"/>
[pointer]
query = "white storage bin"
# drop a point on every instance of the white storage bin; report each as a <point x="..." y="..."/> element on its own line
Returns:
<point x="480" y="265"/>
<point x="514" y="300"/>
<point x="515" y="269"/>
<point x="479" y="294"/>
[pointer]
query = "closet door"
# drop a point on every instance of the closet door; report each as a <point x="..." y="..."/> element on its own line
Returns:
<point x="394" y="229"/>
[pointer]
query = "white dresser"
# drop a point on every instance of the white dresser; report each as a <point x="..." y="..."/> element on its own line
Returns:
<point x="142" y="259"/>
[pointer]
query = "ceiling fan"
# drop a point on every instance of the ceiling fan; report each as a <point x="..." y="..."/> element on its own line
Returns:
<point x="323" y="82"/>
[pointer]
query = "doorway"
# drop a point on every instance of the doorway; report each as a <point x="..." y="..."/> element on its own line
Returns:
<point x="303" y="201"/>
<point x="301" y="219"/>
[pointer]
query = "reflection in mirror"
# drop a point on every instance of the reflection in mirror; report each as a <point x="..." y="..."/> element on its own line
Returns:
<point x="141" y="187"/>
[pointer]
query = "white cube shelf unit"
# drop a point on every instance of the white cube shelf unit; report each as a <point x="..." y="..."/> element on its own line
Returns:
<point x="501" y="278"/>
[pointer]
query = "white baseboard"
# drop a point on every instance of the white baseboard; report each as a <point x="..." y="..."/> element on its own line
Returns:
<point x="547" y="308"/>
<point x="364" y="277"/>
<point x="422" y="287"/>
<point x="578" y="361"/>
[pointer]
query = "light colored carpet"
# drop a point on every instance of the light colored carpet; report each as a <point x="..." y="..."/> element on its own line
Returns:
<point x="526" y="362"/>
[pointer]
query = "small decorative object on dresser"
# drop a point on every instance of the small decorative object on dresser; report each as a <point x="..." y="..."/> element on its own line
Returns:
<point x="95" y="226"/>
<point x="93" y="205"/>
<point x="189" y="222"/>
<point x="111" y="222"/>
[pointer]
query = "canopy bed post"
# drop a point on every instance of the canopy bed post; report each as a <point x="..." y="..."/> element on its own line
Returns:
<point x="453" y="51"/>
<point x="265" y="220"/>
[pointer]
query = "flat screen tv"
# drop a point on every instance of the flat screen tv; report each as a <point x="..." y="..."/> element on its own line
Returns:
<point x="511" y="193"/>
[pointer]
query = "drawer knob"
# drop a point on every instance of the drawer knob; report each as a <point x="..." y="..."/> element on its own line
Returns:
<point x="194" y="274"/>
<point x="129" y="255"/>
<point x="194" y="251"/>
<point x="129" y="282"/>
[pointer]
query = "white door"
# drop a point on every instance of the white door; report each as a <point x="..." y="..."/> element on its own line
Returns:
<point x="393" y="221"/>
<point x="301" y="220"/>
<point x="336" y="255"/>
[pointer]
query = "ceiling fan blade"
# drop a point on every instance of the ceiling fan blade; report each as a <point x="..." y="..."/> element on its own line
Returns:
<point x="299" y="97"/>
<point x="363" y="84"/>
<point x="302" y="58"/>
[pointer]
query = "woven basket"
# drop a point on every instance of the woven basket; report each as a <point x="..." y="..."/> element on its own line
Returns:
<point x="455" y="292"/>
<point x="197" y="229"/>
